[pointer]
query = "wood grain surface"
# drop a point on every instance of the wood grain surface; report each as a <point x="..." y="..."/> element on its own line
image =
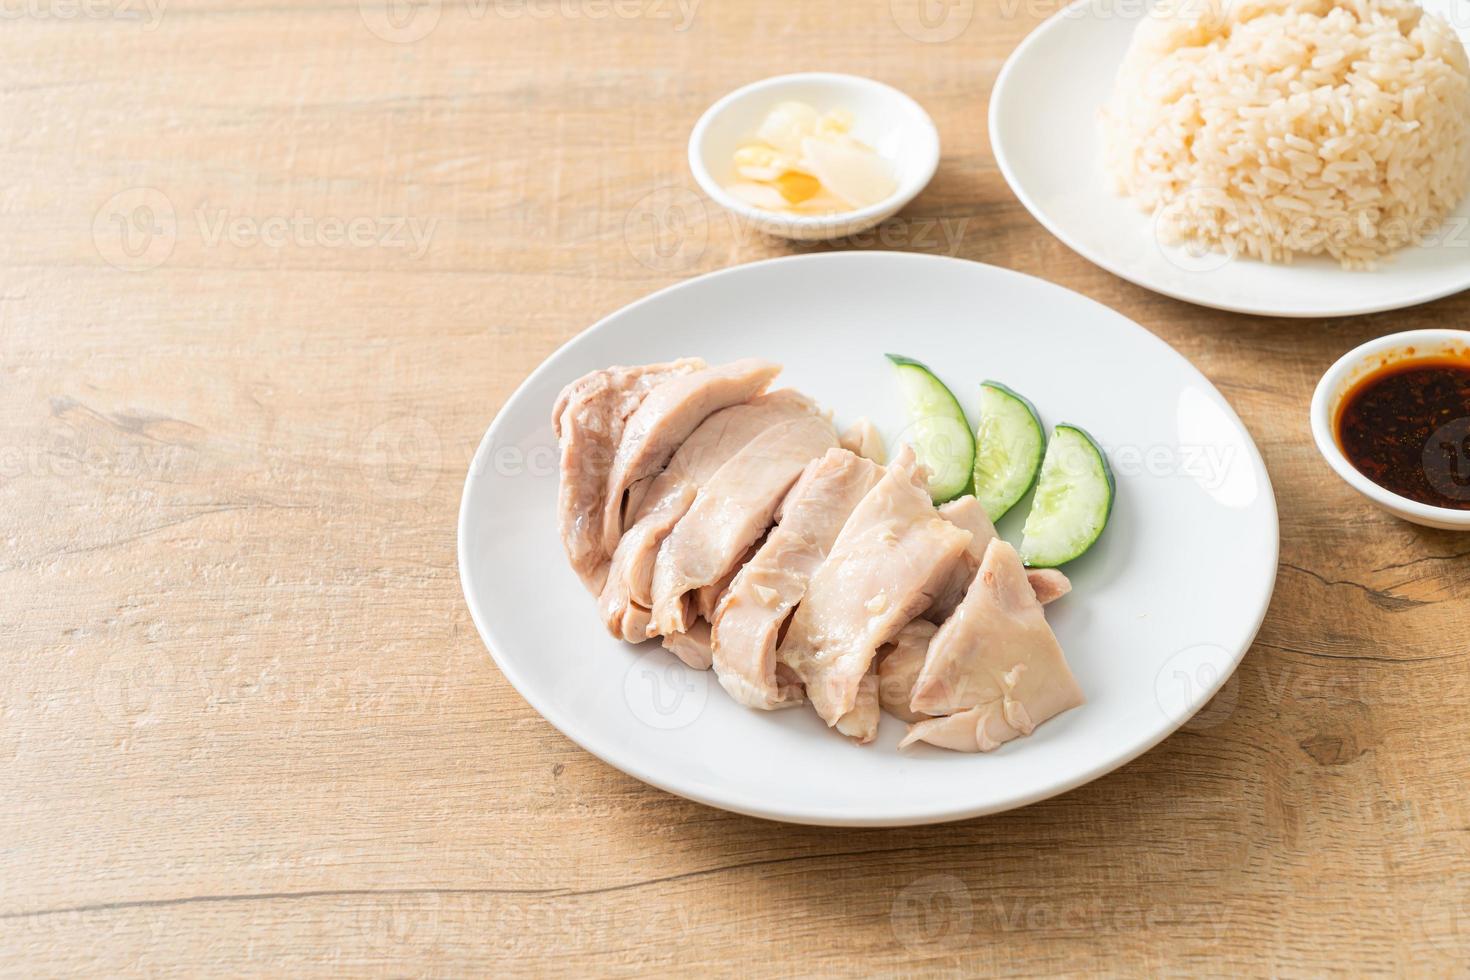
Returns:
<point x="269" y="270"/>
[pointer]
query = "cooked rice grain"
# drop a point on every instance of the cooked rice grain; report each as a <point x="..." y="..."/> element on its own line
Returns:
<point x="1274" y="128"/>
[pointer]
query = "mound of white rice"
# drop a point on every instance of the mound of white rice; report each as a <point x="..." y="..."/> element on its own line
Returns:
<point x="1273" y="128"/>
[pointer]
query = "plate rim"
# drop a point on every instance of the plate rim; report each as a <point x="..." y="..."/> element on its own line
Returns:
<point x="628" y="762"/>
<point x="1009" y="174"/>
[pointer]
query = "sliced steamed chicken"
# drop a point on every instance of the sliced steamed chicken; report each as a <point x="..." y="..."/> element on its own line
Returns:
<point x="671" y="477"/>
<point x="900" y="662"/>
<point x="864" y="439"/>
<point x="892" y="555"/>
<point x="967" y="512"/>
<point x="729" y="514"/>
<point x="667" y="417"/>
<point x="899" y="666"/>
<point x="861" y="723"/>
<point x="707" y="597"/>
<point x="589" y="418"/>
<point x="748" y="620"/>
<point x="1049" y="584"/>
<point x="994" y="668"/>
<point x="628" y="595"/>
<point x="692" y="647"/>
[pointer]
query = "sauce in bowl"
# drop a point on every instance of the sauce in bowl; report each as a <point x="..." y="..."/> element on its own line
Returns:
<point x="1406" y="427"/>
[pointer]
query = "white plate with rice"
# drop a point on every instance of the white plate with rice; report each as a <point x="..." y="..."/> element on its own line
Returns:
<point x="1219" y="173"/>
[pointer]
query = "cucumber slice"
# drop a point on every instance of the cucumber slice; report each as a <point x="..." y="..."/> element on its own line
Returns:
<point x="937" y="430"/>
<point x="1074" y="497"/>
<point x="1008" y="447"/>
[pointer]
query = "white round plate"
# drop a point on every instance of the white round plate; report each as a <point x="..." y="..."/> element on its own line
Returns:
<point x="1044" y="133"/>
<point x="1163" y="607"/>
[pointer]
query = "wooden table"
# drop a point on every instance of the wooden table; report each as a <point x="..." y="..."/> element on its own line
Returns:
<point x="269" y="271"/>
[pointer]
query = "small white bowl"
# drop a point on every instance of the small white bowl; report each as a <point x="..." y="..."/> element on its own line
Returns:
<point x="884" y="118"/>
<point x="1339" y="380"/>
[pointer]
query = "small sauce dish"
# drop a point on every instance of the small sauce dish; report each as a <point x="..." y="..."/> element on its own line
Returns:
<point x="1446" y="452"/>
<point x="884" y="118"/>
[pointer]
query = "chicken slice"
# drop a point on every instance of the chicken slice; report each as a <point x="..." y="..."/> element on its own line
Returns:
<point x="766" y="589"/>
<point x="1050" y="584"/>
<point x="861" y="723"/>
<point x="980" y="729"/>
<point x="665" y="419"/>
<point x="692" y="647"/>
<point x="638" y="493"/>
<point x="589" y="418"/>
<point x="627" y="596"/>
<point x="968" y="513"/>
<point x="890" y="558"/>
<point x="633" y="623"/>
<point x="862" y="438"/>
<point x="899" y="665"/>
<point x="707" y="597"/>
<point x="788" y="687"/>
<point x="646" y="375"/>
<point x="900" y="662"/>
<point x="995" y="661"/>
<point x="729" y="514"/>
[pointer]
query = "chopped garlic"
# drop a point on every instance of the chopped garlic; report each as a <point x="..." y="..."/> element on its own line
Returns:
<point x="757" y="162"/>
<point x="802" y="162"/>
<point x="834" y="123"/>
<point x="877" y="604"/>
<point x="785" y="125"/>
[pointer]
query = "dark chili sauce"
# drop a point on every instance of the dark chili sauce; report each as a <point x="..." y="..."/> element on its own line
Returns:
<point x="1406" y="427"/>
